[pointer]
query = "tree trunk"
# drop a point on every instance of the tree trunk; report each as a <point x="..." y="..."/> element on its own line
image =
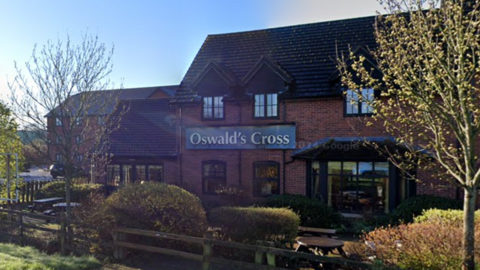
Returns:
<point x="469" y="229"/>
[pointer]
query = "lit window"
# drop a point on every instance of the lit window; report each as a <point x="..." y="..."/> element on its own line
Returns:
<point x="266" y="178"/>
<point x="213" y="107"/>
<point x="266" y="105"/>
<point x="58" y="121"/>
<point x="354" y="105"/>
<point x="214" y="176"/>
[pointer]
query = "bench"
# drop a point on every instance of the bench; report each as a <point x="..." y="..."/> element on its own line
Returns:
<point x="42" y="203"/>
<point x="304" y="231"/>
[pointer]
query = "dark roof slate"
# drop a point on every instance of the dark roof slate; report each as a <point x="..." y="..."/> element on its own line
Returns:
<point x="147" y="129"/>
<point x="98" y="99"/>
<point x="305" y="52"/>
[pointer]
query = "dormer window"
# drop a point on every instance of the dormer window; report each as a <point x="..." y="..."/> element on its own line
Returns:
<point x="213" y="108"/>
<point x="266" y="105"/>
<point x="356" y="105"/>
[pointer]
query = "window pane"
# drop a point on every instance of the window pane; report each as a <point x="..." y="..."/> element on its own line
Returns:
<point x="365" y="169"/>
<point x="259" y="106"/>
<point x="127" y="174"/>
<point x="272" y="108"/>
<point x="113" y="175"/>
<point x="334" y="167"/>
<point x="266" y="171"/>
<point x="155" y="173"/>
<point x="218" y="107"/>
<point x="381" y="169"/>
<point x="367" y="97"/>
<point x="214" y="176"/>
<point x="58" y="121"/>
<point x="207" y="107"/>
<point x="316" y="180"/>
<point x="140" y="173"/>
<point x="266" y="180"/>
<point x="351" y="102"/>
<point x="350" y="168"/>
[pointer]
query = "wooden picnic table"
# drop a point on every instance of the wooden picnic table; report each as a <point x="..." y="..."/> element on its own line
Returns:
<point x="44" y="202"/>
<point x="303" y="231"/>
<point x="320" y="245"/>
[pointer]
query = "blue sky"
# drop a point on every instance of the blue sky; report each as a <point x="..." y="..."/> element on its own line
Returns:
<point x="155" y="41"/>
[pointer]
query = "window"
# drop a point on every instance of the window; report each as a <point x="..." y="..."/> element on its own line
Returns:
<point x="78" y="139"/>
<point x="354" y="105"/>
<point x="213" y="107"/>
<point x="58" y="158"/>
<point x="266" y="105"/>
<point x="266" y="178"/>
<point x="124" y="174"/>
<point x="79" y="158"/>
<point x="358" y="186"/>
<point x="58" y="121"/>
<point x="140" y="173"/>
<point x="78" y="121"/>
<point x="113" y="175"/>
<point x="58" y="140"/>
<point x="155" y="173"/>
<point x="214" y="176"/>
<point x="101" y="120"/>
<point x="127" y="172"/>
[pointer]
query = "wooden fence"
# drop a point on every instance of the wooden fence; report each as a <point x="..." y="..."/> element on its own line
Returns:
<point x="17" y="222"/>
<point x="28" y="189"/>
<point x="265" y="255"/>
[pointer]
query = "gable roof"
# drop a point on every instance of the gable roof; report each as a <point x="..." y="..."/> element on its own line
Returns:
<point x="108" y="98"/>
<point x="307" y="53"/>
<point x="147" y="129"/>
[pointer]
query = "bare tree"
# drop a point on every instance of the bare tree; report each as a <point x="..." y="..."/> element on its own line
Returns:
<point x="430" y="66"/>
<point x="64" y="93"/>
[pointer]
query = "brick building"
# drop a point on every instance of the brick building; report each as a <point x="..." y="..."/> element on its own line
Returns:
<point x="264" y="111"/>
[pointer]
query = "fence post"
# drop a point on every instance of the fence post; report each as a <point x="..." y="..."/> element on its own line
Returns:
<point x="207" y="250"/>
<point x="63" y="235"/>
<point x="259" y="255"/>
<point x="20" y="223"/>
<point x="270" y="256"/>
<point x="118" y="252"/>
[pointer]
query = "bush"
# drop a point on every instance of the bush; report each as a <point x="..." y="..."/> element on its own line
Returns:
<point x="414" y="206"/>
<point x="420" y="245"/>
<point x="159" y="207"/>
<point x="79" y="192"/>
<point x="451" y="217"/>
<point x="249" y="224"/>
<point x="312" y="212"/>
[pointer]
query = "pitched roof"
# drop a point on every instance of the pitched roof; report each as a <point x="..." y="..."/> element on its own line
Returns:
<point x="98" y="99"/>
<point x="147" y="129"/>
<point x="307" y="53"/>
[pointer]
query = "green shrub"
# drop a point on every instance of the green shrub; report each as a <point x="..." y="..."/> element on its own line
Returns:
<point x="420" y="245"/>
<point x="79" y="192"/>
<point x="312" y="212"/>
<point x="453" y="217"/>
<point x="157" y="206"/>
<point x="414" y="206"/>
<point x="249" y="224"/>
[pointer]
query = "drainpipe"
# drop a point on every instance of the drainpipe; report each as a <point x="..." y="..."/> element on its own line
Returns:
<point x="239" y="151"/>
<point x="179" y="130"/>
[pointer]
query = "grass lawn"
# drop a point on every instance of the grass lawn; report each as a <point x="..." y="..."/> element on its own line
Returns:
<point x="13" y="257"/>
